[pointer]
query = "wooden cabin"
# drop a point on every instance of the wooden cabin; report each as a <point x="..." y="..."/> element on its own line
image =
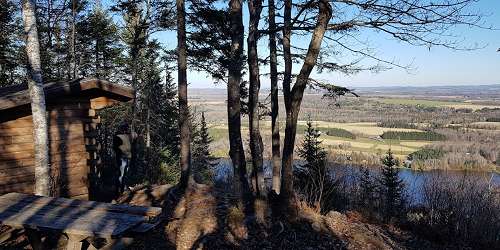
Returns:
<point x="71" y="109"/>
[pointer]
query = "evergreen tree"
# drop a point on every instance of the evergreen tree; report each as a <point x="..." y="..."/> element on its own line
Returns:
<point x="99" y="52"/>
<point x="310" y="149"/>
<point x="202" y="159"/>
<point x="367" y="190"/>
<point x="314" y="182"/>
<point x="51" y="21"/>
<point x="391" y="186"/>
<point x="11" y="51"/>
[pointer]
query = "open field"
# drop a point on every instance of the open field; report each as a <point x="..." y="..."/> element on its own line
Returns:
<point x="367" y="140"/>
<point x="361" y="128"/>
<point x="433" y="103"/>
<point x="352" y="128"/>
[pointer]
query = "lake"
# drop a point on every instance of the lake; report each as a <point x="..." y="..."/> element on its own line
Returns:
<point x="412" y="179"/>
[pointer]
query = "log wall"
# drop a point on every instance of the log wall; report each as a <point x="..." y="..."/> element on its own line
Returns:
<point x="73" y="149"/>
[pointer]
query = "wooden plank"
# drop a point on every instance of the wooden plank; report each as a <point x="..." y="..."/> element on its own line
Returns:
<point x="87" y="222"/>
<point x="81" y="196"/>
<point x="75" y="176"/>
<point x="13" y="156"/>
<point x="53" y="115"/>
<point x="72" y="168"/>
<point x="74" y="190"/>
<point x="102" y="102"/>
<point x="54" y="121"/>
<point x="60" y="146"/>
<point x="18" y="187"/>
<point x="7" y="139"/>
<point x="6" y="165"/>
<point x="119" y="208"/>
<point x="17" y="179"/>
<point x="66" y="129"/>
<point x="55" y="157"/>
<point x="50" y="206"/>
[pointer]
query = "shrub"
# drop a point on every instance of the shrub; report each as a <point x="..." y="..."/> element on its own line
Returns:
<point x="464" y="208"/>
<point x="413" y="135"/>
<point x="338" y="132"/>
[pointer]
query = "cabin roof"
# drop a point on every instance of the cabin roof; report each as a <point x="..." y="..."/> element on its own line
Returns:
<point x="18" y="95"/>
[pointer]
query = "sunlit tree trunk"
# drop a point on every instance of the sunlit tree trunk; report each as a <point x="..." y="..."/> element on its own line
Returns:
<point x="37" y="97"/>
<point x="293" y="97"/>
<point x="236" y="151"/>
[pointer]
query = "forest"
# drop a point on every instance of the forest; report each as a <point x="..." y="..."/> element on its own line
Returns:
<point x="308" y="163"/>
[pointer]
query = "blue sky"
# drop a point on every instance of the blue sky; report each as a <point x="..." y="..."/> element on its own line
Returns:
<point x="437" y="66"/>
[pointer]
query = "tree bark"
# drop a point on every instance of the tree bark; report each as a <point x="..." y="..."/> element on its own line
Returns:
<point x="236" y="151"/>
<point x="273" y="65"/>
<point x="72" y="63"/>
<point x="185" y="133"/>
<point x="256" y="146"/>
<point x="286" y="191"/>
<point x="294" y="100"/>
<point x="37" y="97"/>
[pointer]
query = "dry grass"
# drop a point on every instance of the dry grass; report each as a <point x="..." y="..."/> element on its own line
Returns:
<point x="416" y="144"/>
<point x="470" y="106"/>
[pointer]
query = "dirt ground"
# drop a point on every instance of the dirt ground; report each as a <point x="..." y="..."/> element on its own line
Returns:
<point x="206" y="217"/>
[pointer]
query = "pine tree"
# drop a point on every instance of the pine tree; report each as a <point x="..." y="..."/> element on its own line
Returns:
<point x="11" y="52"/>
<point x="202" y="159"/>
<point x="314" y="183"/>
<point x="98" y="47"/>
<point x="391" y="186"/>
<point x="311" y="150"/>
<point x="367" y="190"/>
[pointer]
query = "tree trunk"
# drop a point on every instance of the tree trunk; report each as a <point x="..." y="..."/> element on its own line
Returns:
<point x="185" y="134"/>
<point x="72" y="63"/>
<point x="273" y="62"/>
<point x="37" y="97"/>
<point x="286" y="191"/>
<point x="256" y="146"/>
<point x="236" y="151"/>
<point x="294" y="100"/>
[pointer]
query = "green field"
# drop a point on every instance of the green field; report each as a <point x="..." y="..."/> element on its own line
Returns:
<point x="414" y="102"/>
<point x="366" y="139"/>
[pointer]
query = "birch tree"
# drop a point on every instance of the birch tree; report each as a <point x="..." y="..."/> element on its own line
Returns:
<point x="37" y="97"/>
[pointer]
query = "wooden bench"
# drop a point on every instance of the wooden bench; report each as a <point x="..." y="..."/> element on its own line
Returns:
<point x="77" y="219"/>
